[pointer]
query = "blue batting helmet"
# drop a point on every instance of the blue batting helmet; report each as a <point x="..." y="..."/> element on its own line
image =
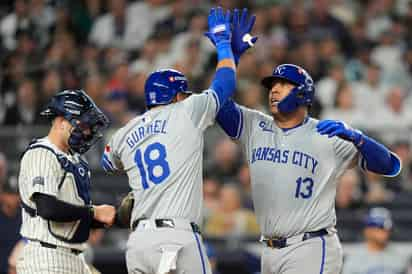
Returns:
<point x="379" y="217"/>
<point x="86" y="118"/>
<point x="301" y="95"/>
<point x="162" y="86"/>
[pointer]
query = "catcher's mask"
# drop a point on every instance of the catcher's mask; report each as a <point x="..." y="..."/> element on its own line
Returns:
<point x="86" y="118"/>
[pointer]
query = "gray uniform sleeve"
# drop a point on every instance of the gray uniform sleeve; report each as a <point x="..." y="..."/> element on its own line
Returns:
<point x="344" y="153"/>
<point x="111" y="162"/>
<point x="202" y="108"/>
<point x="249" y="120"/>
<point x="42" y="171"/>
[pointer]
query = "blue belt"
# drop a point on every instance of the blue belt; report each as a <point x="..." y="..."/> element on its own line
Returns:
<point x="283" y="242"/>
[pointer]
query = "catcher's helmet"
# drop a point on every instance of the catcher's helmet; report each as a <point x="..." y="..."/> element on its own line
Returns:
<point x="162" y="86"/>
<point x="301" y="95"/>
<point x="86" y="118"/>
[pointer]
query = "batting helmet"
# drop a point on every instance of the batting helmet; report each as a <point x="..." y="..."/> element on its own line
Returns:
<point x="162" y="86"/>
<point x="379" y="217"/>
<point x="86" y="118"/>
<point x="301" y="95"/>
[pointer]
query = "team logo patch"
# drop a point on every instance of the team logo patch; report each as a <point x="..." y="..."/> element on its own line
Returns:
<point x="39" y="180"/>
<point x="107" y="148"/>
<point x="265" y="127"/>
<point x="82" y="171"/>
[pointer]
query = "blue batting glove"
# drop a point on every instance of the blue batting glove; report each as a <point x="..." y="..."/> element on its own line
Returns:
<point x="219" y="27"/>
<point x="241" y="28"/>
<point x="340" y="129"/>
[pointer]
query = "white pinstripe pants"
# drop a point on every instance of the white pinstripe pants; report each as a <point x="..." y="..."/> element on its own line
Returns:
<point x="36" y="259"/>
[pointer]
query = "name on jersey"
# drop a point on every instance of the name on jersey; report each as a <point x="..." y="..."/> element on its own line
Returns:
<point x="156" y="127"/>
<point x="297" y="158"/>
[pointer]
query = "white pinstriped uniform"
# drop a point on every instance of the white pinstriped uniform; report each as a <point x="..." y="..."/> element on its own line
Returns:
<point x="162" y="153"/>
<point x="41" y="172"/>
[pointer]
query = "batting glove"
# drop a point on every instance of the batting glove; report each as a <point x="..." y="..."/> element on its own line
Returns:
<point x="241" y="38"/>
<point x="219" y="27"/>
<point x="338" y="128"/>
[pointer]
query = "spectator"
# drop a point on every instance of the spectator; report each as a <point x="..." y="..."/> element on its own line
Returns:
<point x="370" y="90"/>
<point x="376" y="190"/>
<point x="251" y="95"/>
<point x="226" y="160"/>
<point x="244" y="179"/>
<point x="231" y="218"/>
<point x="395" y="119"/>
<point x="344" y="107"/>
<point x="348" y="193"/>
<point x="25" y="111"/>
<point x="127" y="27"/>
<point x="211" y="189"/>
<point x="3" y="169"/>
<point x="10" y="220"/>
<point x="84" y="13"/>
<point x="376" y="255"/>
<point x="327" y="87"/>
<point x="116" y="109"/>
<point x="18" y="20"/>
<point x="403" y="181"/>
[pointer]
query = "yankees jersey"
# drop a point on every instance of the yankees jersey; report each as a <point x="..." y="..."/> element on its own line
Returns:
<point x="293" y="173"/>
<point x="41" y="172"/>
<point x="162" y="153"/>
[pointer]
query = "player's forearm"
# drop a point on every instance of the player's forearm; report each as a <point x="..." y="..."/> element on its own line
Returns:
<point x="378" y="158"/>
<point x="50" y="208"/>
<point x="225" y="57"/>
<point x="229" y="119"/>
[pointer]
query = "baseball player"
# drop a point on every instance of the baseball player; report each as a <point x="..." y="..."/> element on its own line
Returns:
<point x="376" y="256"/>
<point x="161" y="152"/>
<point x="54" y="185"/>
<point x="294" y="163"/>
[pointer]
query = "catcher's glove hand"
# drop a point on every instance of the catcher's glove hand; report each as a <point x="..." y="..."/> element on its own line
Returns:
<point x="124" y="211"/>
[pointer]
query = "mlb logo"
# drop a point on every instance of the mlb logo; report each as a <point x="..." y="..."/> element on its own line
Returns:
<point x="171" y="79"/>
<point x="300" y="71"/>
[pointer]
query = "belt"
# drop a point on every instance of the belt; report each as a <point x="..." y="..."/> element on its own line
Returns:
<point x="165" y="223"/>
<point x="284" y="242"/>
<point x="52" y="246"/>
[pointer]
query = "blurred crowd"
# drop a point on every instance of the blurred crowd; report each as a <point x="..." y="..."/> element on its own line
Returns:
<point x="359" y="53"/>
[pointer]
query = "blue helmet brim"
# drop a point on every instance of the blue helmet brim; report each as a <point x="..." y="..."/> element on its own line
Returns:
<point x="267" y="82"/>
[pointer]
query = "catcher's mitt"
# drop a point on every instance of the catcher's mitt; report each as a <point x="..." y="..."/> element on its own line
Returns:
<point x="124" y="211"/>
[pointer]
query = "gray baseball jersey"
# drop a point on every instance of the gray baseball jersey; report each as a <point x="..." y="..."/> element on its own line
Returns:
<point x="293" y="173"/>
<point x="388" y="261"/>
<point x="162" y="151"/>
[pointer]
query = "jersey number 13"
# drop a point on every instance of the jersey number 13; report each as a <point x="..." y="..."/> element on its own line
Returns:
<point x="304" y="188"/>
<point x="152" y="159"/>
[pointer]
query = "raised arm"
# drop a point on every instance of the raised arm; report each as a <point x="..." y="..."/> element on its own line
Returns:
<point x="224" y="82"/>
<point x="230" y="115"/>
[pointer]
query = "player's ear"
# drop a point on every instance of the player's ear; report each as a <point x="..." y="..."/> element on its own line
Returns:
<point x="181" y="96"/>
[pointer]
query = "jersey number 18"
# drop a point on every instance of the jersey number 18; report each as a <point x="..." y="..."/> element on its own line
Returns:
<point x="154" y="157"/>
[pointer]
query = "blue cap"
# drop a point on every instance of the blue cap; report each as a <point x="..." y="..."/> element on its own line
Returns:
<point x="379" y="217"/>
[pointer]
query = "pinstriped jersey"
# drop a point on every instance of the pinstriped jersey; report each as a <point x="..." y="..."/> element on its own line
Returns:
<point x="41" y="172"/>
<point x="162" y="153"/>
<point x="293" y="173"/>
